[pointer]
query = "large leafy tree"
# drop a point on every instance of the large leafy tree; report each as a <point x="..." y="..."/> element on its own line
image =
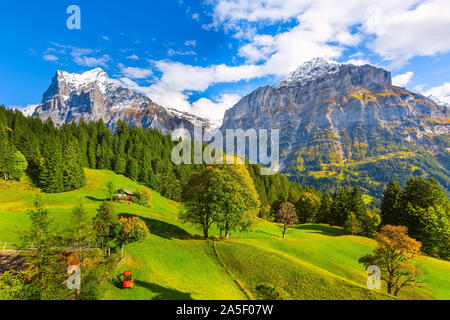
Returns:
<point x="221" y="194"/>
<point x="235" y="198"/>
<point x="423" y="193"/>
<point x="393" y="255"/>
<point x="307" y="207"/>
<point x="199" y="201"/>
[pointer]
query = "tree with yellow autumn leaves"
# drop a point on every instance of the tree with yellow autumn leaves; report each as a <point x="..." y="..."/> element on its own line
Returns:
<point x="131" y="230"/>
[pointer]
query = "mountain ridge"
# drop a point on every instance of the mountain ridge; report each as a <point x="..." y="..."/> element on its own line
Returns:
<point x="332" y="116"/>
<point x="93" y="95"/>
<point x="337" y="121"/>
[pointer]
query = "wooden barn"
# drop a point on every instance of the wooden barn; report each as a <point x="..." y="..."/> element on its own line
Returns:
<point x="124" y="195"/>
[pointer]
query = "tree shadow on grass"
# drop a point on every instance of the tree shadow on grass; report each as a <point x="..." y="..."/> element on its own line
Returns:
<point x="163" y="229"/>
<point x="96" y="199"/>
<point x="321" y="229"/>
<point x="163" y="293"/>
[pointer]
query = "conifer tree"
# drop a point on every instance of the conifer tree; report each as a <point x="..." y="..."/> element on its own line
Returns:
<point x="391" y="212"/>
<point x="105" y="224"/>
<point x="133" y="169"/>
<point x="353" y="224"/>
<point x="74" y="176"/>
<point x="120" y="164"/>
<point x="324" y="211"/>
<point x="43" y="264"/>
<point x="341" y="207"/>
<point x="51" y="176"/>
<point x="92" y="158"/>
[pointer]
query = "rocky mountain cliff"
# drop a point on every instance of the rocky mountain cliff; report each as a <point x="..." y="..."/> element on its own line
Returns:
<point x="337" y="121"/>
<point x="93" y="95"/>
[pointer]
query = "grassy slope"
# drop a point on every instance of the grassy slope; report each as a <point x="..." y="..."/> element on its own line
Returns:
<point x="316" y="262"/>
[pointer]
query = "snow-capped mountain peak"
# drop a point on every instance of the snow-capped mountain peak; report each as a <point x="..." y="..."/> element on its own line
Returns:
<point x="92" y="95"/>
<point x="26" y="111"/>
<point x="310" y="70"/>
<point x="90" y="76"/>
<point x="29" y="110"/>
<point x="78" y="81"/>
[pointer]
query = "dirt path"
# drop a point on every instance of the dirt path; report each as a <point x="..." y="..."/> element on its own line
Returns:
<point x="9" y="260"/>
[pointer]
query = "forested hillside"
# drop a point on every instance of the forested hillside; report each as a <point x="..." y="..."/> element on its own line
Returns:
<point x="56" y="156"/>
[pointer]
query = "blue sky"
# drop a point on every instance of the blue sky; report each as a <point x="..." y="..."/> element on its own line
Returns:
<point x="202" y="56"/>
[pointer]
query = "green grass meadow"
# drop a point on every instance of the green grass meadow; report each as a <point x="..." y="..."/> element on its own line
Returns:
<point x="315" y="262"/>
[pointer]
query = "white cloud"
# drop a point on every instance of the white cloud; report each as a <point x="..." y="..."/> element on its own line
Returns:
<point x="232" y="11"/>
<point x="50" y="57"/>
<point x="106" y="38"/>
<point x="132" y="57"/>
<point x="186" y="77"/>
<point x="214" y="109"/>
<point x="402" y="34"/>
<point x="419" y="87"/>
<point x="195" y="17"/>
<point x="440" y="93"/>
<point x="167" y="96"/>
<point x="92" y="61"/>
<point x="402" y="80"/>
<point x="358" y="62"/>
<point x="75" y="52"/>
<point x="81" y="56"/>
<point x="190" y="43"/>
<point x="135" y="73"/>
<point x="260" y="49"/>
<point x="397" y="30"/>
<point x="172" y="52"/>
<point x="172" y="89"/>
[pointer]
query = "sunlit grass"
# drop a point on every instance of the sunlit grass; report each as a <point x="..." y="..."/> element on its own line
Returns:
<point x="314" y="262"/>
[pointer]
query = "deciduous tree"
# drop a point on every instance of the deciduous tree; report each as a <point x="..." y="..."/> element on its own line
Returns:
<point x="198" y="199"/>
<point x="287" y="216"/>
<point x="393" y="255"/>
<point x="235" y="198"/>
<point x="131" y="230"/>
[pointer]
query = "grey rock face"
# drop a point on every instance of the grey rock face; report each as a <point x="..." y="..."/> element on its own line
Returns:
<point x="346" y="102"/>
<point x="93" y="96"/>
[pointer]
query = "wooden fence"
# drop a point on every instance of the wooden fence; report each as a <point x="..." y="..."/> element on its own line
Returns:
<point x="16" y="246"/>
